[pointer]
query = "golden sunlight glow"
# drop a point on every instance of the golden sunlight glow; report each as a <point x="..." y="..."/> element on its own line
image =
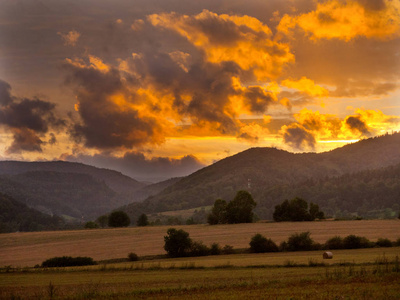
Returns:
<point x="248" y="43"/>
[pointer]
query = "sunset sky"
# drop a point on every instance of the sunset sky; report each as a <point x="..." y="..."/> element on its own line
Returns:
<point x="159" y="88"/>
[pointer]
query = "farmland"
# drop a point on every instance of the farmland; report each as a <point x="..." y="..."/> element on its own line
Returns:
<point x="363" y="273"/>
<point x="355" y="274"/>
<point x="29" y="249"/>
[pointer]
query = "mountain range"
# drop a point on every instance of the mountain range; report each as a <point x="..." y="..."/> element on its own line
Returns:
<point x="271" y="175"/>
<point x="355" y="179"/>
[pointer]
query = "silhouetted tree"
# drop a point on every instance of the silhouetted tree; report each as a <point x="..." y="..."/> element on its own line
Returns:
<point x="240" y="209"/>
<point x="218" y="213"/>
<point x="297" y="210"/>
<point x="118" y="219"/>
<point x="177" y="242"/>
<point x="142" y="220"/>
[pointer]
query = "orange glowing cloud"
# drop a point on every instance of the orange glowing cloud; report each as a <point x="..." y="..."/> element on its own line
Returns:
<point x="346" y="20"/>
<point x="224" y="38"/>
<point x="311" y="127"/>
<point x="307" y="86"/>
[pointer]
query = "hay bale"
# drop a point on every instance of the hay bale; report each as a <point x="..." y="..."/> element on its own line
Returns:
<point x="327" y="255"/>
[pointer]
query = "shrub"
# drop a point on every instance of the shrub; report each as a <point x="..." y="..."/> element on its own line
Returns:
<point x="91" y="225"/>
<point x="177" y="242"/>
<point x="133" y="257"/>
<point x="68" y="261"/>
<point x="356" y="242"/>
<point x="215" y="249"/>
<point x="384" y="243"/>
<point x="228" y="249"/>
<point x="199" y="249"/>
<point x="397" y="243"/>
<point x="283" y="246"/>
<point x="260" y="244"/>
<point x="118" y="219"/>
<point x="334" y="243"/>
<point x="300" y="242"/>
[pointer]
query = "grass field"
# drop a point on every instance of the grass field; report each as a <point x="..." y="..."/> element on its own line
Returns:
<point x="28" y="249"/>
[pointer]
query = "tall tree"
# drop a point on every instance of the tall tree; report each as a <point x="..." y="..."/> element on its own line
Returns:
<point x="218" y="213"/>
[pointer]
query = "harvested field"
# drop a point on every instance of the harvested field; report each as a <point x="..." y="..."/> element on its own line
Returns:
<point x="28" y="249"/>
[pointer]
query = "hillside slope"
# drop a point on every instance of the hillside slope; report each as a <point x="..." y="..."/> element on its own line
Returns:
<point x="16" y="216"/>
<point x="269" y="169"/>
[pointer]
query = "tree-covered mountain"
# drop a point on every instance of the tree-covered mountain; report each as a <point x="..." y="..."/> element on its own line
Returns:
<point x="16" y="216"/>
<point x="272" y="174"/>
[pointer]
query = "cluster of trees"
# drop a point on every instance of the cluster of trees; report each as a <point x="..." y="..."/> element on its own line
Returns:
<point x="297" y="210"/>
<point x="239" y="210"/>
<point x="177" y="243"/>
<point x="117" y="218"/>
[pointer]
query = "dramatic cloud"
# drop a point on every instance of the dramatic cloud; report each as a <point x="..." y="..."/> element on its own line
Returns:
<point x="243" y="40"/>
<point x="346" y="20"/>
<point x="138" y="166"/>
<point x="29" y="120"/>
<point x="106" y="107"/>
<point x="144" y="98"/>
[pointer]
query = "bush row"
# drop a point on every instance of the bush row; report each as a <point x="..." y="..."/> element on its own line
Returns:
<point x="68" y="261"/>
<point x="178" y="244"/>
<point x="303" y="242"/>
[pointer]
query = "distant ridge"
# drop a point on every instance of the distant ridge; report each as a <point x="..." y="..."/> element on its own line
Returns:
<point x="114" y="179"/>
<point x="72" y="190"/>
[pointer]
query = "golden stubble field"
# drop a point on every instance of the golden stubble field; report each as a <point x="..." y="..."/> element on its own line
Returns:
<point x="28" y="249"/>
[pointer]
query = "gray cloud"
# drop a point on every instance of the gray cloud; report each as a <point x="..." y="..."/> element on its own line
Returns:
<point x="355" y="123"/>
<point x="298" y="137"/>
<point x="28" y="119"/>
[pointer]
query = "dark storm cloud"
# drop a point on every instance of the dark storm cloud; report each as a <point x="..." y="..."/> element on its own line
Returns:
<point x="27" y="119"/>
<point x="298" y="137"/>
<point x="103" y="123"/>
<point x="258" y="99"/>
<point x="355" y="123"/>
<point x="136" y="165"/>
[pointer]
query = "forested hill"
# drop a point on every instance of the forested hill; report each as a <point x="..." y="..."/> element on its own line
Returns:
<point x="269" y="169"/>
<point x="115" y="180"/>
<point x="71" y="190"/>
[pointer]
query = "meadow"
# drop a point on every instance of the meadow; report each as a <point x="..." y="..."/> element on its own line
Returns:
<point x="30" y="248"/>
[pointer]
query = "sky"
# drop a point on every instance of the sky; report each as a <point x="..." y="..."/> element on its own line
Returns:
<point x="160" y="88"/>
